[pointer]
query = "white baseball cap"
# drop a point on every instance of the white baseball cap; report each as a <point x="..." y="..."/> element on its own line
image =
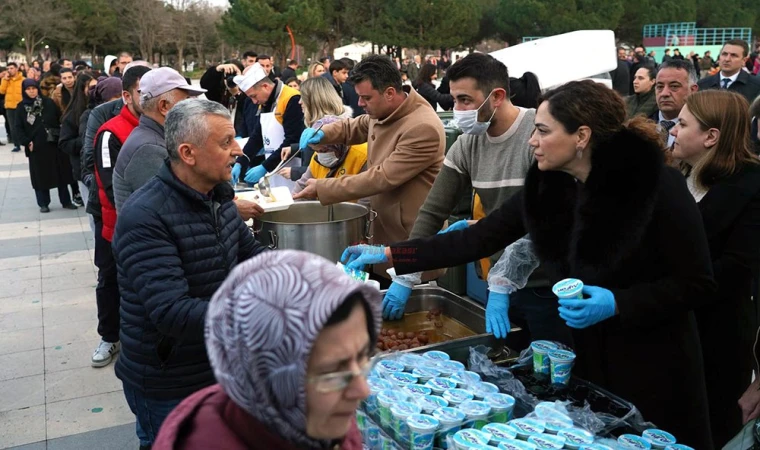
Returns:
<point x="164" y="79"/>
<point x="252" y="75"/>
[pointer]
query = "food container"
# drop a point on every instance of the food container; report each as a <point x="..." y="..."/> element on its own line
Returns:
<point x="597" y="447"/>
<point x="470" y="439"/>
<point x="482" y="389"/>
<point x="569" y="288"/>
<point x="540" y="355"/>
<point x="465" y="378"/>
<point x="547" y="441"/>
<point x="439" y="385"/>
<point x="477" y="413"/>
<point x="372" y="435"/>
<point x="422" y="428"/>
<point x="516" y="445"/>
<point x="361" y="420"/>
<point x="502" y="406"/>
<point x="415" y="390"/>
<point x="560" y="366"/>
<point x="430" y="403"/>
<point x="450" y="420"/>
<point x="411" y="361"/>
<point x="387" y="367"/>
<point x="449" y="368"/>
<point x="424" y="374"/>
<point x="401" y="379"/>
<point x="386" y="399"/>
<point x="401" y="412"/>
<point x="375" y="386"/>
<point x="500" y="432"/>
<point x="436" y="355"/>
<point x="633" y="442"/>
<point x="526" y="427"/>
<point x="575" y="437"/>
<point x="678" y="447"/>
<point x="457" y="396"/>
<point x="554" y="419"/>
<point x="658" y="438"/>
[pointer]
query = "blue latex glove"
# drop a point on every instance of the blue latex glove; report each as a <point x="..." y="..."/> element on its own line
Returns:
<point x="254" y="174"/>
<point x="236" y="173"/>
<point x="599" y="306"/>
<point x="356" y="256"/>
<point x="497" y="319"/>
<point x="310" y="136"/>
<point x="395" y="300"/>
<point x="458" y="225"/>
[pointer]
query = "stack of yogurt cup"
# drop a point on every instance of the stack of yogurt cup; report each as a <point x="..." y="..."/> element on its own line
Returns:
<point x="653" y="439"/>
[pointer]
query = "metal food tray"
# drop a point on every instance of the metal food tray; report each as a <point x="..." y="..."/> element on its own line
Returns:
<point x="468" y="313"/>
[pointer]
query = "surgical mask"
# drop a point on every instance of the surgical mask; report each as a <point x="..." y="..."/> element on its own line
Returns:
<point x="467" y="121"/>
<point x="327" y="159"/>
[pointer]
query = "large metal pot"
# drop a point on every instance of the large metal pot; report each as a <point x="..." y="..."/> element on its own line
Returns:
<point x="305" y="226"/>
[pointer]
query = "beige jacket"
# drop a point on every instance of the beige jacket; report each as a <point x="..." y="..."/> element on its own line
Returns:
<point x="404" y="155"/>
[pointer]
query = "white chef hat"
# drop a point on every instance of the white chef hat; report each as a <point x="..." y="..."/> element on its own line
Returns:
<point x="252" y="75"/>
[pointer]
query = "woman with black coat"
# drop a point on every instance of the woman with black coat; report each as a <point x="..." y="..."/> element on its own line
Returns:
<point x="425" y="87"/>
<point x="70" y="141"/>
<point x="723" y="176"/>
<point x="38" y="125"/>
<point x="601" y="206"/>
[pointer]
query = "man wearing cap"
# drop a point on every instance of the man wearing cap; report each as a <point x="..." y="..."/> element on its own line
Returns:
<point x="280" y="123"/>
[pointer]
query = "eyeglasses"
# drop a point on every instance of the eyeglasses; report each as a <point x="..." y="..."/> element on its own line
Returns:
<point x="338" y="381"/>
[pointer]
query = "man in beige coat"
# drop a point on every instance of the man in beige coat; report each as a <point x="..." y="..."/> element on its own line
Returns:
<point x="405" y="146"/>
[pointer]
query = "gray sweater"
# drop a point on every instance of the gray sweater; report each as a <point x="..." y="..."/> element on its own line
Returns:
<point x="140" y="159"/>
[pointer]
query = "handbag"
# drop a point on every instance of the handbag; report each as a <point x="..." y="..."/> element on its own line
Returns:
<point x="53" y="134"/>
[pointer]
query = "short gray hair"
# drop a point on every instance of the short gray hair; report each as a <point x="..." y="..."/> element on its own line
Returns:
<point x="681" y="64"/>
<point x="151" y="103"/>
<point x="187" y="123"/>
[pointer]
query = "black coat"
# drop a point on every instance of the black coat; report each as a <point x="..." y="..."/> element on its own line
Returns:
<point x="48" y="167"/>
<point x="435" y="98"/>
<point x="173" y="247"/>
<point x="70" y="142"/>
<point x="621" y="78"/>
<point x="746" y="85"/>
<point x="731" y="214"/>
<point x="634" y="229"/>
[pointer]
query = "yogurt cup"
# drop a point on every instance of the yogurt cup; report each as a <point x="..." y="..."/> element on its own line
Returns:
<point x="540" y="355"/>
<point x="449" y="368"/>
<point x="416" y="390"/>
<point x="477" y="413"/>
<point x="555" y="420"/>
<point x="457" y="396"/>
<point x="569" y="288"/>
<point x="560" y="366"/>
<point x="386" y="367"/>
<point x="502" y="406"/>
<point x="439" y="385"/>
<point x="375" y="386"/>
<point x="361" y="420"/>
<point x="631" y="441"/>
<point x="678" y="447"/>
<point x="401" y="379"/>
<point x="386" y="399"/>
<point x="465" y="378"/>
<point x="411" y="361"/>
<point x="658" y="438"/>
<point x="575" y="437"/>
<point x="422" y="428"/>
<point x="436" y="355"/>
<point x="470" y="439"/>
<point x="401" y="412"/>
<point x="500" y="432"/>
<point x="387" y="443"/>
<point x="430" y="403"/>
<point x="372" y="435"/>
<point x="549" y="441"/>
<point x="451" y="420"/>
<point x="597" y="447"/>
<point x="482" y="389"/>
<point x="424" y="374"/>
<point x="526" y="427"/>
<point x="516" y="445"/>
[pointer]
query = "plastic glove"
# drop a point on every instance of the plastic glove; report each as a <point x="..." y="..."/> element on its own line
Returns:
<point x="395" y="300"/>
<point x="583" y="313"/>
<point x="458" y="225"/>
<point x="254" y="174"/>
<point x="497" y="319"/>
<point x="310" y="136"/>
<point x="356" y="256"/>
<point x="236" y="173"/>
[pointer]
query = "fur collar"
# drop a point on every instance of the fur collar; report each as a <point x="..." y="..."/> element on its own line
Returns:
<point x="586" y="231"/>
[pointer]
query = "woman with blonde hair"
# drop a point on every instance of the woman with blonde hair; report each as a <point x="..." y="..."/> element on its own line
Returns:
<point x="316" y="70"/>
<point x="723" y="175"/>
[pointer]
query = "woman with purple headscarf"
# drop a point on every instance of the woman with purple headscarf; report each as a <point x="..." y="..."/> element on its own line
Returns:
<point x="289" y="336"/>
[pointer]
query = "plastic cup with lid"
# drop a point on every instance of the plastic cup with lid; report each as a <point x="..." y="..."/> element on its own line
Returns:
<point x="547" y="441"/>
<point x="678" y="447"/>
<point x="560" y="366"/>
<point x="575" y="437"/>
<point x="555" y="420"/>
<point x="500" y="432"/>
<point x="569" y="288"/>
<point x="372" y="435"/>
<point x="516" y="445"/>
<point x="400" y="412"/>
<point x="437" y="355"/>
<point x="375" y="386"/>
<point x="477" y="413"/>
<point x="449" y="368"/>
<point x="633" y="442"/>
<point x="658" y="438"/>
<point x="422" y="428"/>
<point x="425" y="374"/>
<point x="596" y="446"/>
<point x="457" y="396"/>
<point x="386" y="399"/>
<point x="450" y="420"/>
<point x="465" y="378"/>
<point x="502" y="406"/>
<point x="527" y="427"/>
<point x="401" y="379"/>
<point x="411" y="361"/>
<point x="415" y="390"/>
<point x="470" y="439"/>
<point x="388" y="366"/>
<point x="540" y="355"/>
<point x="440" y="384"/>
<point x="482" y="389"/>
<point x="430" y="403"/>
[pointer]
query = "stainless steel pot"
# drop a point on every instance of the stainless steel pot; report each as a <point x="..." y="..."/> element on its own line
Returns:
<point x="308" y="226"/>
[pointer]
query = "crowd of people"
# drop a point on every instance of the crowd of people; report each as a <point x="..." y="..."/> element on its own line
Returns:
<point x="651" y="196"/>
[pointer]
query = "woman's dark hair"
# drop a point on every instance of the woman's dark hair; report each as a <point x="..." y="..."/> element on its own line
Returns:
<point x="380" y="71"/>
<point x="344" y="310"/>
<point x="525" y="90"/>
<point x="598" y="107"/>
<point x="292" y="79"/>
<point x="425" y="75"/>
<point x="79" y="100"/>
<point x="55" y="69"/>
<point x="650" y="69"/>
<point x="487" y="71"/>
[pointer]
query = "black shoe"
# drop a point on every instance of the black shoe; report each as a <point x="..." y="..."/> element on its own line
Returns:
<point x="70" y="206"/>
<point x="44" y="209"/>
<point x="16" y="149"/>
<point x="78" y="200"/>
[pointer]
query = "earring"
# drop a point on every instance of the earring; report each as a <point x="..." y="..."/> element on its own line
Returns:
<point x="579" y="152"/>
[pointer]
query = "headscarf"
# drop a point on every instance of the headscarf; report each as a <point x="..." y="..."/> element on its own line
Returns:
<point x="339" y="149"/>
<point x="28" y="101"/>
<point x="261" y="326"/>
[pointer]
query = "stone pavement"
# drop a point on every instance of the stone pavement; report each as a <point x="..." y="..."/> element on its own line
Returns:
<point x="50" y="397"/>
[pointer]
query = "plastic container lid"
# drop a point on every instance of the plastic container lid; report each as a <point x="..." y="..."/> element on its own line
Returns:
<point x="423" y="423"/>
<point x="440" y="384"/>
<point x="658" y="438"/>
<point x="543" y="346"/>
<point x="390" y="396"/>
<point x="449" y="416"/>
<point x="678" y="447"/>
<point x="450" y="367"/>
<point x="389" y="366"/>
<point x="466" y="377"/>
<point x="457" y="396"/>
<point x="437" y="355"/>
<point x="561" y="355"/>
<point x="500" y="432"/>
<point x="431" y="403"/>
<point x="555" y="420"/>
<point x="567" y="288"/>
<point x="499" y="401"/>
<point x="516" y="445"/>
<point x="401" y="378"/>
<point x="547" y="441"/>
<point x="417" y="390"/>
<point x="575" y="437"/>
<point x="482" y="389"/>
<point x="596" y="447"/>
<point x="426" y="372"/>
<point x="475" y="408"/>
<point x="631" y="441"/>
<point x="378" y="384"/>
<point x="468" y="438"/>
<point x="411" y="360"/>
<point x="528" y="427"/>
<point x="405" y="409"/>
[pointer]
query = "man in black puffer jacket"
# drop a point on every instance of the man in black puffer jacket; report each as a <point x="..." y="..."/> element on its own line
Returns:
<point x="177" y="238"/>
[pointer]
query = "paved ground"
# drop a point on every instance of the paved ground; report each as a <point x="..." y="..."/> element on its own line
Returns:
<point x="50" y="397"/>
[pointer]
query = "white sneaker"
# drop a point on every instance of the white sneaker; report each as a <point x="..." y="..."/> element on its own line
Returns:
<point x="104" y="353"/>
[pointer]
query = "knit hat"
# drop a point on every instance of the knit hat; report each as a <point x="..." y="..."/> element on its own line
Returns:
<point x="261" y="326"/>
<point x="106" y="89"/>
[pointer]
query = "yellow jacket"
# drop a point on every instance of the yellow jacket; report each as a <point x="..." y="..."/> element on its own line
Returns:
<point x="356" y="158"/>
<point x="11" y="88"/>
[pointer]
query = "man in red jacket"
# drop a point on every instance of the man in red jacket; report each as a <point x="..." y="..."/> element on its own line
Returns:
<point x="108" y="142"/>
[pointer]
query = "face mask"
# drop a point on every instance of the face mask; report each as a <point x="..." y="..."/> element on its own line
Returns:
<point x="467" y="121"/>
<point x="327" y="159"/>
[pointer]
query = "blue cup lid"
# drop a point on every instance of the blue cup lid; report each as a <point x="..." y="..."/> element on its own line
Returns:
<point x="475" y="408"/>
<point x="378" y="384"/>
<point x="417" y="389"/>
<point x="514" y="444"/>
<point x="466" y="377"/>
<point x="391" y="366"/>
<point x="528" y="426"/>
<point x="402" y="378"/>
<point x="678" y="447"/>
<point x="437" y="355"/>
<point x="457" y="395"/>
<point x="426" y="372"/>
<point x="561" y="355"/>
<point x="471" y="436"/>
<point x="449" y="415"/>
<point x="569" y="287"/>
<point x="483" y="388"/>
<point x="431" y="402"/>
<point x="634" y="442"/>
<point x="423" y="422"/>
<point x="543" y="346"/>
<point x="577" y="436"/>
<point x="658" y="437"/>
<point x="500" y="431"/>
<point x="391" y="396"/>
<point x="440" y="384"/>
<point x="499" y="400"/>
<point x="450" y="366"/>
<point x="405" y="409"/>
<point x="547" y="441"/>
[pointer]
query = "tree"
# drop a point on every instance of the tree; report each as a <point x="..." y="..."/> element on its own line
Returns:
<point x="204" y="36"/>
<point x="144" y="21"/>
<point x="95" y="22"/>
<point x="32" y="23"/>
<point x="642" y="12"/>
